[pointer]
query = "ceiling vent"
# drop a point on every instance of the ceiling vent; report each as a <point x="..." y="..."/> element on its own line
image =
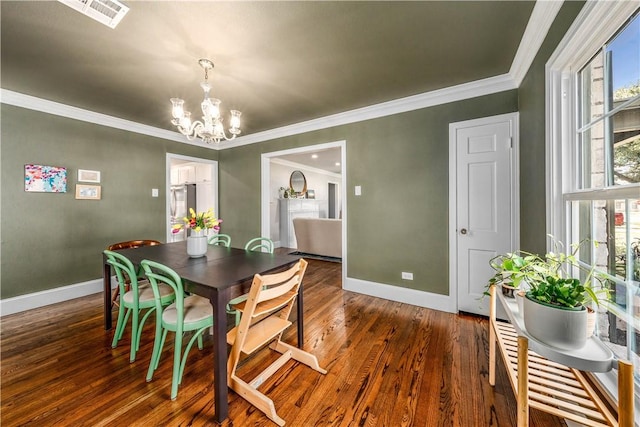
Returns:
<point x="108" y="12"/>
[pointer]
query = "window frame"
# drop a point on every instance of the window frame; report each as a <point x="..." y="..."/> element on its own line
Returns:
<point x="591" y="30"/>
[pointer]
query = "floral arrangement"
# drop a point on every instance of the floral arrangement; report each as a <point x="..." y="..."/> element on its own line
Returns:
<point x="198" y="221"/>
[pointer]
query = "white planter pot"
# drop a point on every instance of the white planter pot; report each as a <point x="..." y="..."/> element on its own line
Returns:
<point x="556" y="327"/>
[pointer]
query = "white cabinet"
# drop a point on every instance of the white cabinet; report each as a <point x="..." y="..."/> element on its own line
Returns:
<point x="190" y="173"/>
<point x="295" y="208"/>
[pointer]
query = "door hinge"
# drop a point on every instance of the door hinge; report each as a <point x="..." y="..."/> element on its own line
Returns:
<point x="510" y="142"/>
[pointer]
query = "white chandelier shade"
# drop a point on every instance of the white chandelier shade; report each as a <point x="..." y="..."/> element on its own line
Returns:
<point x="210" y="129"/>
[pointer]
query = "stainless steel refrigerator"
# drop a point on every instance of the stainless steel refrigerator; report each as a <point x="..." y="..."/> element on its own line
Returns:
<point x="182" y="198"/>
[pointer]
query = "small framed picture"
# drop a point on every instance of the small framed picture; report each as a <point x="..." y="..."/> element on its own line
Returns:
<point x="88" y="192"/>
<point x="311" y="194"/>
<point x="88" y="176"/>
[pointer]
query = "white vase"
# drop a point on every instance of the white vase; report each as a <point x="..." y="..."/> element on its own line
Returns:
<point x="196" y="244"/>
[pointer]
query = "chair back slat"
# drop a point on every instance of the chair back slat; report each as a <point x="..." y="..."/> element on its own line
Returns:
<point x="272" y="292"/>
<point x="159" y="273"/>
<point x="125" y="272"/>
<point x="220" y="240"/>
<point x="260" y="244"/>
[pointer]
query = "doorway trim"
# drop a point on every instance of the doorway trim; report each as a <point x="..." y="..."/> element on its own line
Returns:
<point x="265" y="191"/>
<point x="453" y="182"/>
<point x="167" y="185"/>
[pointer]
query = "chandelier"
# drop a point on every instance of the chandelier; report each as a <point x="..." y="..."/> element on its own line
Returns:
<point x="210" y="129"/>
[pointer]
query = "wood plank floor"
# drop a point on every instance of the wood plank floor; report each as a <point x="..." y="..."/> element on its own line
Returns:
<point x="389" y="364"/>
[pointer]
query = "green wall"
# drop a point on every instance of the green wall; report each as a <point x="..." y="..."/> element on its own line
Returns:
<point x="400" y="223"/>
<point x="51" y="240"/>
<point x="531" y="104"/>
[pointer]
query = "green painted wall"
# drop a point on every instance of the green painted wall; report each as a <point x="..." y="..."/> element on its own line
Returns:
<point x="400" y="223"/>
<point x="51" y="240"/>
<point x="531" y="104"/>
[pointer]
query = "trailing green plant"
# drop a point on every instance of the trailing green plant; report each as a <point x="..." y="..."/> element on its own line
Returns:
<point x="513" y="268"/>
<point x="550" y="278"/>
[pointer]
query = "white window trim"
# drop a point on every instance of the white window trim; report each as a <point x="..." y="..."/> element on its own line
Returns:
<point x="593" y="27"/>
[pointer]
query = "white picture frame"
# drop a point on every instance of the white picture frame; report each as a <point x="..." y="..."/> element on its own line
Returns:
<point x="85" y="175"/>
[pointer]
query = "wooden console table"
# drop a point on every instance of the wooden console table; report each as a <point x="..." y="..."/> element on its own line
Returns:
<point x="551" y="379"/>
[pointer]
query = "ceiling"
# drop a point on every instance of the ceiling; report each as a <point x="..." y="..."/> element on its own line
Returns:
<point x="280" y="63"/>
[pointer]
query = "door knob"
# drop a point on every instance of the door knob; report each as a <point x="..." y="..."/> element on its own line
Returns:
<point x="463" y="231"/>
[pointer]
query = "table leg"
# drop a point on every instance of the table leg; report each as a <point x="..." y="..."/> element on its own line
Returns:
<point x="300" y="318"/>
<point x="106" y="281"/>
<point x="219" y="300"/>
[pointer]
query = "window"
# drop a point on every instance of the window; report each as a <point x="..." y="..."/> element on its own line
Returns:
<point x="593" y="163"/>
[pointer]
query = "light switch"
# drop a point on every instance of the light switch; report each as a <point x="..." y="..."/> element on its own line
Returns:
<point x="154" y="192"/>
<point x="358" y="190"/>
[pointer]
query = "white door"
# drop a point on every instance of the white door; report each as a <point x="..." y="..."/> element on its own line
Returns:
<point x="484" y="215"/>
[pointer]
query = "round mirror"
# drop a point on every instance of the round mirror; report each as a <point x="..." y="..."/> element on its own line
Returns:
<point x="298" y="182"/>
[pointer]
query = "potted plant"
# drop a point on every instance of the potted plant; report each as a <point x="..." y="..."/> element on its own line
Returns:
<point x="555" y="307"/>
<point x="512" y="269"/>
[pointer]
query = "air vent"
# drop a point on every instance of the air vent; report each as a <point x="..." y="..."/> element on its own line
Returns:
<point x="108" y="12"/>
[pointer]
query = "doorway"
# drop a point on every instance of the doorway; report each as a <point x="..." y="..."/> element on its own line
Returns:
<point x="483" y="198"/>
<point x="267" y="193"/>
<point x="191" y="182"/>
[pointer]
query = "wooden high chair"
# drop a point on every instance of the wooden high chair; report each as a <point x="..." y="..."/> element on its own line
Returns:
<point x="265" y="316"/>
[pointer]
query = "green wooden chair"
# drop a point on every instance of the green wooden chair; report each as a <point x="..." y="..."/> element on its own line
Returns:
<point x="258" y="244"/>
<point x="187" y="313"/>
<point x="136" y="296"/>
<point x="127" y="245"/>
<point x="220" y="239"/>
<point x="261" y="244"/>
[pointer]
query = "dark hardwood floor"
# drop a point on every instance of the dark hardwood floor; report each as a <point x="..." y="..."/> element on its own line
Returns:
<point x="389" y="364"/>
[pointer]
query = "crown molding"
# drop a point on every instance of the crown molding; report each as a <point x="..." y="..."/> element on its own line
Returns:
<point x="55" y="108"/>
<point x="429" y="99"/>
<point x="542" y="17"/>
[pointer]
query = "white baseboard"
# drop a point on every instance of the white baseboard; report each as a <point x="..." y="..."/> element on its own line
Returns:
<point x="380" y="290"/>
<point x="50" y="296"/>
<point x="404" y="295"/>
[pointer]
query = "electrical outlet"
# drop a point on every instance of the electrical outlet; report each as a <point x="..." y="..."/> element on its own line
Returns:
<point x="358" y="190"/>
<point x="154" y="192"/>
<point x="407" y="276"/>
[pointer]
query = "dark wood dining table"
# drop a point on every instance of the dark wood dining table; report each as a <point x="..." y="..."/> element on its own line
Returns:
<point x="217" y="276"/>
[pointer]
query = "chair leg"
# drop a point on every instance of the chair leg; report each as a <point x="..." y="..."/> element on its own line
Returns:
<point x="300" y="355"/>
<point x="257" y="399"/>
<point x="158" y="343"/>
<point x="114" y="297"/>
<point x="134" y="335"/>
<point x="144" y="319"/>
<point x="183" y="362"/>
<point x="123" y="318"/>
<point x="177" y="357"/>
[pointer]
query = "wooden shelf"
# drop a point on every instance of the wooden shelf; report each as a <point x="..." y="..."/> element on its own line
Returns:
<point x="547" y="382"/>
